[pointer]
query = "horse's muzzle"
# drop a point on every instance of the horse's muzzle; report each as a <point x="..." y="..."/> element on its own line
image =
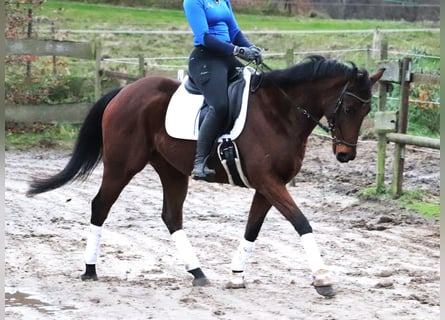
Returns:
<point x="344" y="153"/>
<point x="344" y="157"/>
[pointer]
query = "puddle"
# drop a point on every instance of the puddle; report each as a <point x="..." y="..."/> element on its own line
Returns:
<point x="15" y="298"/>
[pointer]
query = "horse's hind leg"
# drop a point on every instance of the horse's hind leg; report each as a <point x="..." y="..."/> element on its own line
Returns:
<point x="175" y="185"/>
<point x="113" y="182"/>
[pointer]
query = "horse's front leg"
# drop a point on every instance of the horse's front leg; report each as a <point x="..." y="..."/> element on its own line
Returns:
<point x="258" y="210"/>
<point x="279" y="197"/>
<point x="188" y="256"/>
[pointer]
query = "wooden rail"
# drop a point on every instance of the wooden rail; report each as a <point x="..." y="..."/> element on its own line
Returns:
<point x="81" y="50"/>
<point x="392" y="126"/>
<point x="414" y="140"/>
<point x="73" y="49"/>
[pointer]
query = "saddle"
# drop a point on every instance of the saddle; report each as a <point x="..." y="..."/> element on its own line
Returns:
<point x="235" y="91"/>
<point x="187" y="108"/>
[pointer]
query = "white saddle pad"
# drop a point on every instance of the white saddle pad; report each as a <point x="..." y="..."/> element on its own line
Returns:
<point x="182" y="118"/>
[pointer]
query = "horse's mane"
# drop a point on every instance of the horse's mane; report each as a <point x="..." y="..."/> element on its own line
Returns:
<point x="312" y="68"/>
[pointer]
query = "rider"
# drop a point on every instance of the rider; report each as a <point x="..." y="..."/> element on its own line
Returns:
<point x="217" y="40"/>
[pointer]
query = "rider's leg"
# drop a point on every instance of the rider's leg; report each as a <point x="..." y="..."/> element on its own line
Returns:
<point x="210" y="73"/>
<point x="208" y="132"/>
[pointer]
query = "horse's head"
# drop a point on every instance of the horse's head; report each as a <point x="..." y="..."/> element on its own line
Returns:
<point x="353" y="104"/>
<point x="330" y="89"/>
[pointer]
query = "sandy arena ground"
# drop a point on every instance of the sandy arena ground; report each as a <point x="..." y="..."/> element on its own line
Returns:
<point x="386" y="258"/>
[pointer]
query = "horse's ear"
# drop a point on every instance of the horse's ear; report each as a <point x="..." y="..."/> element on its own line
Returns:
<point x="376" y="76"/>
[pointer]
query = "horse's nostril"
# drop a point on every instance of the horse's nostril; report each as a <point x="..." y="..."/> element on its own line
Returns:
<point x="344" y="157"/>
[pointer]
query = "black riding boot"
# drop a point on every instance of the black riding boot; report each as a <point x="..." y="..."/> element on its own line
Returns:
<point x="207" y="135"/>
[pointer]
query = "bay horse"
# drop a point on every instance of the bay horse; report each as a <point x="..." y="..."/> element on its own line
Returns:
<point x="125" y="129"/>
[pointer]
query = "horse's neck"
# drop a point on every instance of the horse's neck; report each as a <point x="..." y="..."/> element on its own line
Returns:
<point x="285" y="111"/>
<point x="317" y="99"/>
<point x="307" y="103"/>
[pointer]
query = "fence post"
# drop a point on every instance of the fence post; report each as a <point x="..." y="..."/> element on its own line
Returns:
<point x="376" y="44"/>
<point x="381" y="144"/>
<point x="29" y="36"/>
<point x="53" y="36"/>
<point x="141" y="65"/>
<point x="97" y="79"/>
<point x="368" y="57"/>
<point x="381" y="154"/>
<point x="289" y="57"/>
<point x="399" y="151"/>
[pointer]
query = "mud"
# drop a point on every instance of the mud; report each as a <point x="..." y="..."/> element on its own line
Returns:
<point x="386" y="258"/>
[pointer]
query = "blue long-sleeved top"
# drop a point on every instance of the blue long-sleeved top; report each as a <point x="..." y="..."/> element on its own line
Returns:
<point x="214" y="25"/>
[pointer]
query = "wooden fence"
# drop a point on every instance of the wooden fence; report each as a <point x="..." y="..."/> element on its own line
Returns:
<point x="392" y="126"/>
<point x="73" y="49"/>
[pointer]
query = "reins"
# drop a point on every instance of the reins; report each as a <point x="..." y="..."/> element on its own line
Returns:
<point x="331" y="118"/>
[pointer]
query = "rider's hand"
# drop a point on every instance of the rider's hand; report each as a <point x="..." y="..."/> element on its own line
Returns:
<point x="249" y="54"/>
<point x="258" y="51"/>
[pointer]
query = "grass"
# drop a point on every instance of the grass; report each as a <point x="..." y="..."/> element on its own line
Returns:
<point x="38" y="135"/>
<point x="75" y="14"/>
<point x="417" y="200"/>
<point x="69" y="15"/>
<point x="422" y="202"/>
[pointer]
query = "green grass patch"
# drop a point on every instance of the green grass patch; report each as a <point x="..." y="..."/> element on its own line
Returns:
<point x="39" y="135"/>
<point x="417" y="200"/>
<point x="422" y="202"/>
<point x="71" y="15"/>
<point x="76" y="14"/>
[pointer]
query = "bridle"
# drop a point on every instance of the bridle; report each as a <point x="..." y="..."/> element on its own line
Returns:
<point x="331" y="119"/>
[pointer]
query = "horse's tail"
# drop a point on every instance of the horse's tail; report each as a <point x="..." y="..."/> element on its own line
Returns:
<point x="87" y="150"/>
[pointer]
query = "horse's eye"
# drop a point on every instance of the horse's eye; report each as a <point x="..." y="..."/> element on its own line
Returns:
<point x="349" y="110"/>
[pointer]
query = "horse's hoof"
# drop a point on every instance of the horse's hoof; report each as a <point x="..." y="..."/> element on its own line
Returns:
<point x="201" y="282"/>
<point x="326" y="291"/>
<point x="324" y="283"/>
<point x="236" y="281"/>
<point x="90" y="273"/>
<point x="233" y="285"/>
<point x="207" y="178"/>
<point x="89" y="277"/>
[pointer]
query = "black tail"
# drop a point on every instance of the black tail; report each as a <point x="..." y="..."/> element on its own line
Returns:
<point x="87" y="150"/>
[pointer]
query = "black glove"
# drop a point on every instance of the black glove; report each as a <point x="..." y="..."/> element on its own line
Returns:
<point x="249" y="54"/>
<point x="258" y="52"/>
